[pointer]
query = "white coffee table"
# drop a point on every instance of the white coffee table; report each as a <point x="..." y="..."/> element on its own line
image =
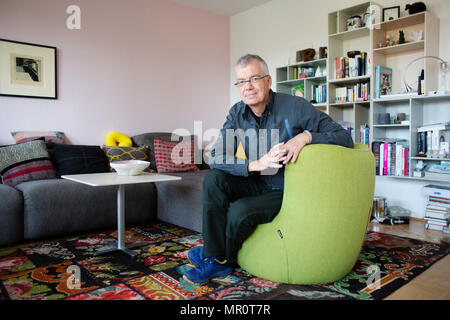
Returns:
<point x="113" y="179"/>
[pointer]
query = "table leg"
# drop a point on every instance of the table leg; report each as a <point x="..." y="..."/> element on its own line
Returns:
<point x="121" y="217"/>
<point x="121" y="227"/>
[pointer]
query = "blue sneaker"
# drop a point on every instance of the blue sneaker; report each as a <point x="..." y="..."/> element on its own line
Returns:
<point x="207" y="269"/>
<point x="195" y="255"/>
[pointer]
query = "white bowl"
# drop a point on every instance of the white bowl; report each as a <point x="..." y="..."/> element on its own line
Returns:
<point x="129" y="167"/>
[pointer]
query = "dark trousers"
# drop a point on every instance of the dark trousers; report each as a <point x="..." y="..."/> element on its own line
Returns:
<point x="232" y="207"/>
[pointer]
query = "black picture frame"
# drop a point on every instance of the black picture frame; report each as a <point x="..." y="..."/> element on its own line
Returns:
<point x="28" y="70"/>
<point x="395" y="9"/>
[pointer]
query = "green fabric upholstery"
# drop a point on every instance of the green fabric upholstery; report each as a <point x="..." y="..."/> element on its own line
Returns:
<point x="326" y="208"/>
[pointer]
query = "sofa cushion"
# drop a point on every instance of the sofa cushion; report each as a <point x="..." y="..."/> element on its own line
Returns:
<point x="49" y="136"/>
<point x="59" y="207"/>
<point x="148" y="139"/>
<point x="187" y="210"/>
<point x="78" y="159"/>
<point x="25" y="162"/>
<point x="174" y="156"/>
<point x="117" y="153"/>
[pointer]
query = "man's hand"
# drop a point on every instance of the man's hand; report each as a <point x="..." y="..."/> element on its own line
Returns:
<point x="295" y="145"/>
<point x="271" y="159"/>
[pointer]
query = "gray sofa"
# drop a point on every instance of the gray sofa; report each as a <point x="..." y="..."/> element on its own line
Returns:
<point x="44" y="209"/>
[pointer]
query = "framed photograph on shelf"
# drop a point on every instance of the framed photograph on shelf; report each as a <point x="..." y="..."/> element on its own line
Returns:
<point x="27" y="70"/>
<point x="391" y="13"/>
<point x="383" y="81"/>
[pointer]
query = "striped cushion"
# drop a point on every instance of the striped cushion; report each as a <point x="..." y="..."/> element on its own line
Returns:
<point x="25" y="162"/>
<point x="174" y="156"/>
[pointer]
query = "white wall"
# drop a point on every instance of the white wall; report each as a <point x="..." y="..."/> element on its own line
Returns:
<point x="277" y="29"/>
<point x="135" y="66"/>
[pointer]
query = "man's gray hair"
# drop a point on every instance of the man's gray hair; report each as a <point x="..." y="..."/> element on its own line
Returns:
<point x="245" y="60"/>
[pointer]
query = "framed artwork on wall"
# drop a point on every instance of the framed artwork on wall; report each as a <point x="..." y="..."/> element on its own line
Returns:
<point x="27" y="70"/>
<point x="391" y="13"/>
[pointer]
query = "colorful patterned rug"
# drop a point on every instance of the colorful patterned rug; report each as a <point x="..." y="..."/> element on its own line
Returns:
<point x="48" y="271"/>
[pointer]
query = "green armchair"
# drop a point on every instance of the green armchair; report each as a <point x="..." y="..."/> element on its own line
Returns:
<point x="319" y="231"/>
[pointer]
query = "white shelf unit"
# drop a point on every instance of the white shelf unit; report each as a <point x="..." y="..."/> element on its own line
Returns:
<point x="340" y="41"/>
<point x="420" y="110"/>
<point x="398" y="56"/>
<point x="286" y="81"/>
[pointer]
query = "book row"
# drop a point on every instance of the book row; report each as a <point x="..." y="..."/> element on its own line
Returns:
<point x="357" y="93"/>
<point x="319" y="93"/>
<point x="356" y="66"/>
<point x="307" y="72"/>
<point x="364" y="132"/>
<point x="391" y="158"/>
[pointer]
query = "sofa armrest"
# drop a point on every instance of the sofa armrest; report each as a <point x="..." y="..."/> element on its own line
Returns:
<point x="11" y="215"/>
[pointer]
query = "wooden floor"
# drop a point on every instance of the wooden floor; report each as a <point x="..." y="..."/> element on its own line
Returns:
<point x="434" y="283"/>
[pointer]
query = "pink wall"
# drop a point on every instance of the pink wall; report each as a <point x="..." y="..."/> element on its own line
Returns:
<point x="135" y="66"/>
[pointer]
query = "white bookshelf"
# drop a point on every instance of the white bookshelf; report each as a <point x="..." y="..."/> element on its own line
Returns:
<point x="340" y="41"/>
<point x="286" y="80"/>
<point x="420" y="110"/>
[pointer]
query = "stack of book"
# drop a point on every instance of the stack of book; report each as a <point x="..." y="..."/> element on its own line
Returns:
<point x="437" y="214"/>
<point x="391" y="157"/>
<point x="351" y="67"/>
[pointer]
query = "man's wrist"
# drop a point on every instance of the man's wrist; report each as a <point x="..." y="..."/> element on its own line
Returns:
<point x="309" y="136"/>
<point x="252" y="166"/>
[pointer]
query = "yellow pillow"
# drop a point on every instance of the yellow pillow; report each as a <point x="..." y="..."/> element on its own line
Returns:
<point x="118" y="139"/>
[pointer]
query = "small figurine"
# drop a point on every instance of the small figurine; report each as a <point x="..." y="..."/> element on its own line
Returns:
<point x="401" y="38"/>
<point x="388" y="42"/>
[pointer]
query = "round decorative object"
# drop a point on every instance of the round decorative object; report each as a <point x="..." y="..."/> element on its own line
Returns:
<point x="444" y="69"/>
<point x="118" y="139"/>
<point x="129" y="167"/>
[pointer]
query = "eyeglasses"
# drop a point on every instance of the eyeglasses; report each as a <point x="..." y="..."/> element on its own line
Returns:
<point x="252" y="80"/>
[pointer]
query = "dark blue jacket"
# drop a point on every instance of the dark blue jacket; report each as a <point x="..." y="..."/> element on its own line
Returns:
<point x="241" y="128"/>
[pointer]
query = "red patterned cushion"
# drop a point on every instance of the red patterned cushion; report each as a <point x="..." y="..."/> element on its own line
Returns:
<point x="35" y="170"/>
<point x="174" y="156"/>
